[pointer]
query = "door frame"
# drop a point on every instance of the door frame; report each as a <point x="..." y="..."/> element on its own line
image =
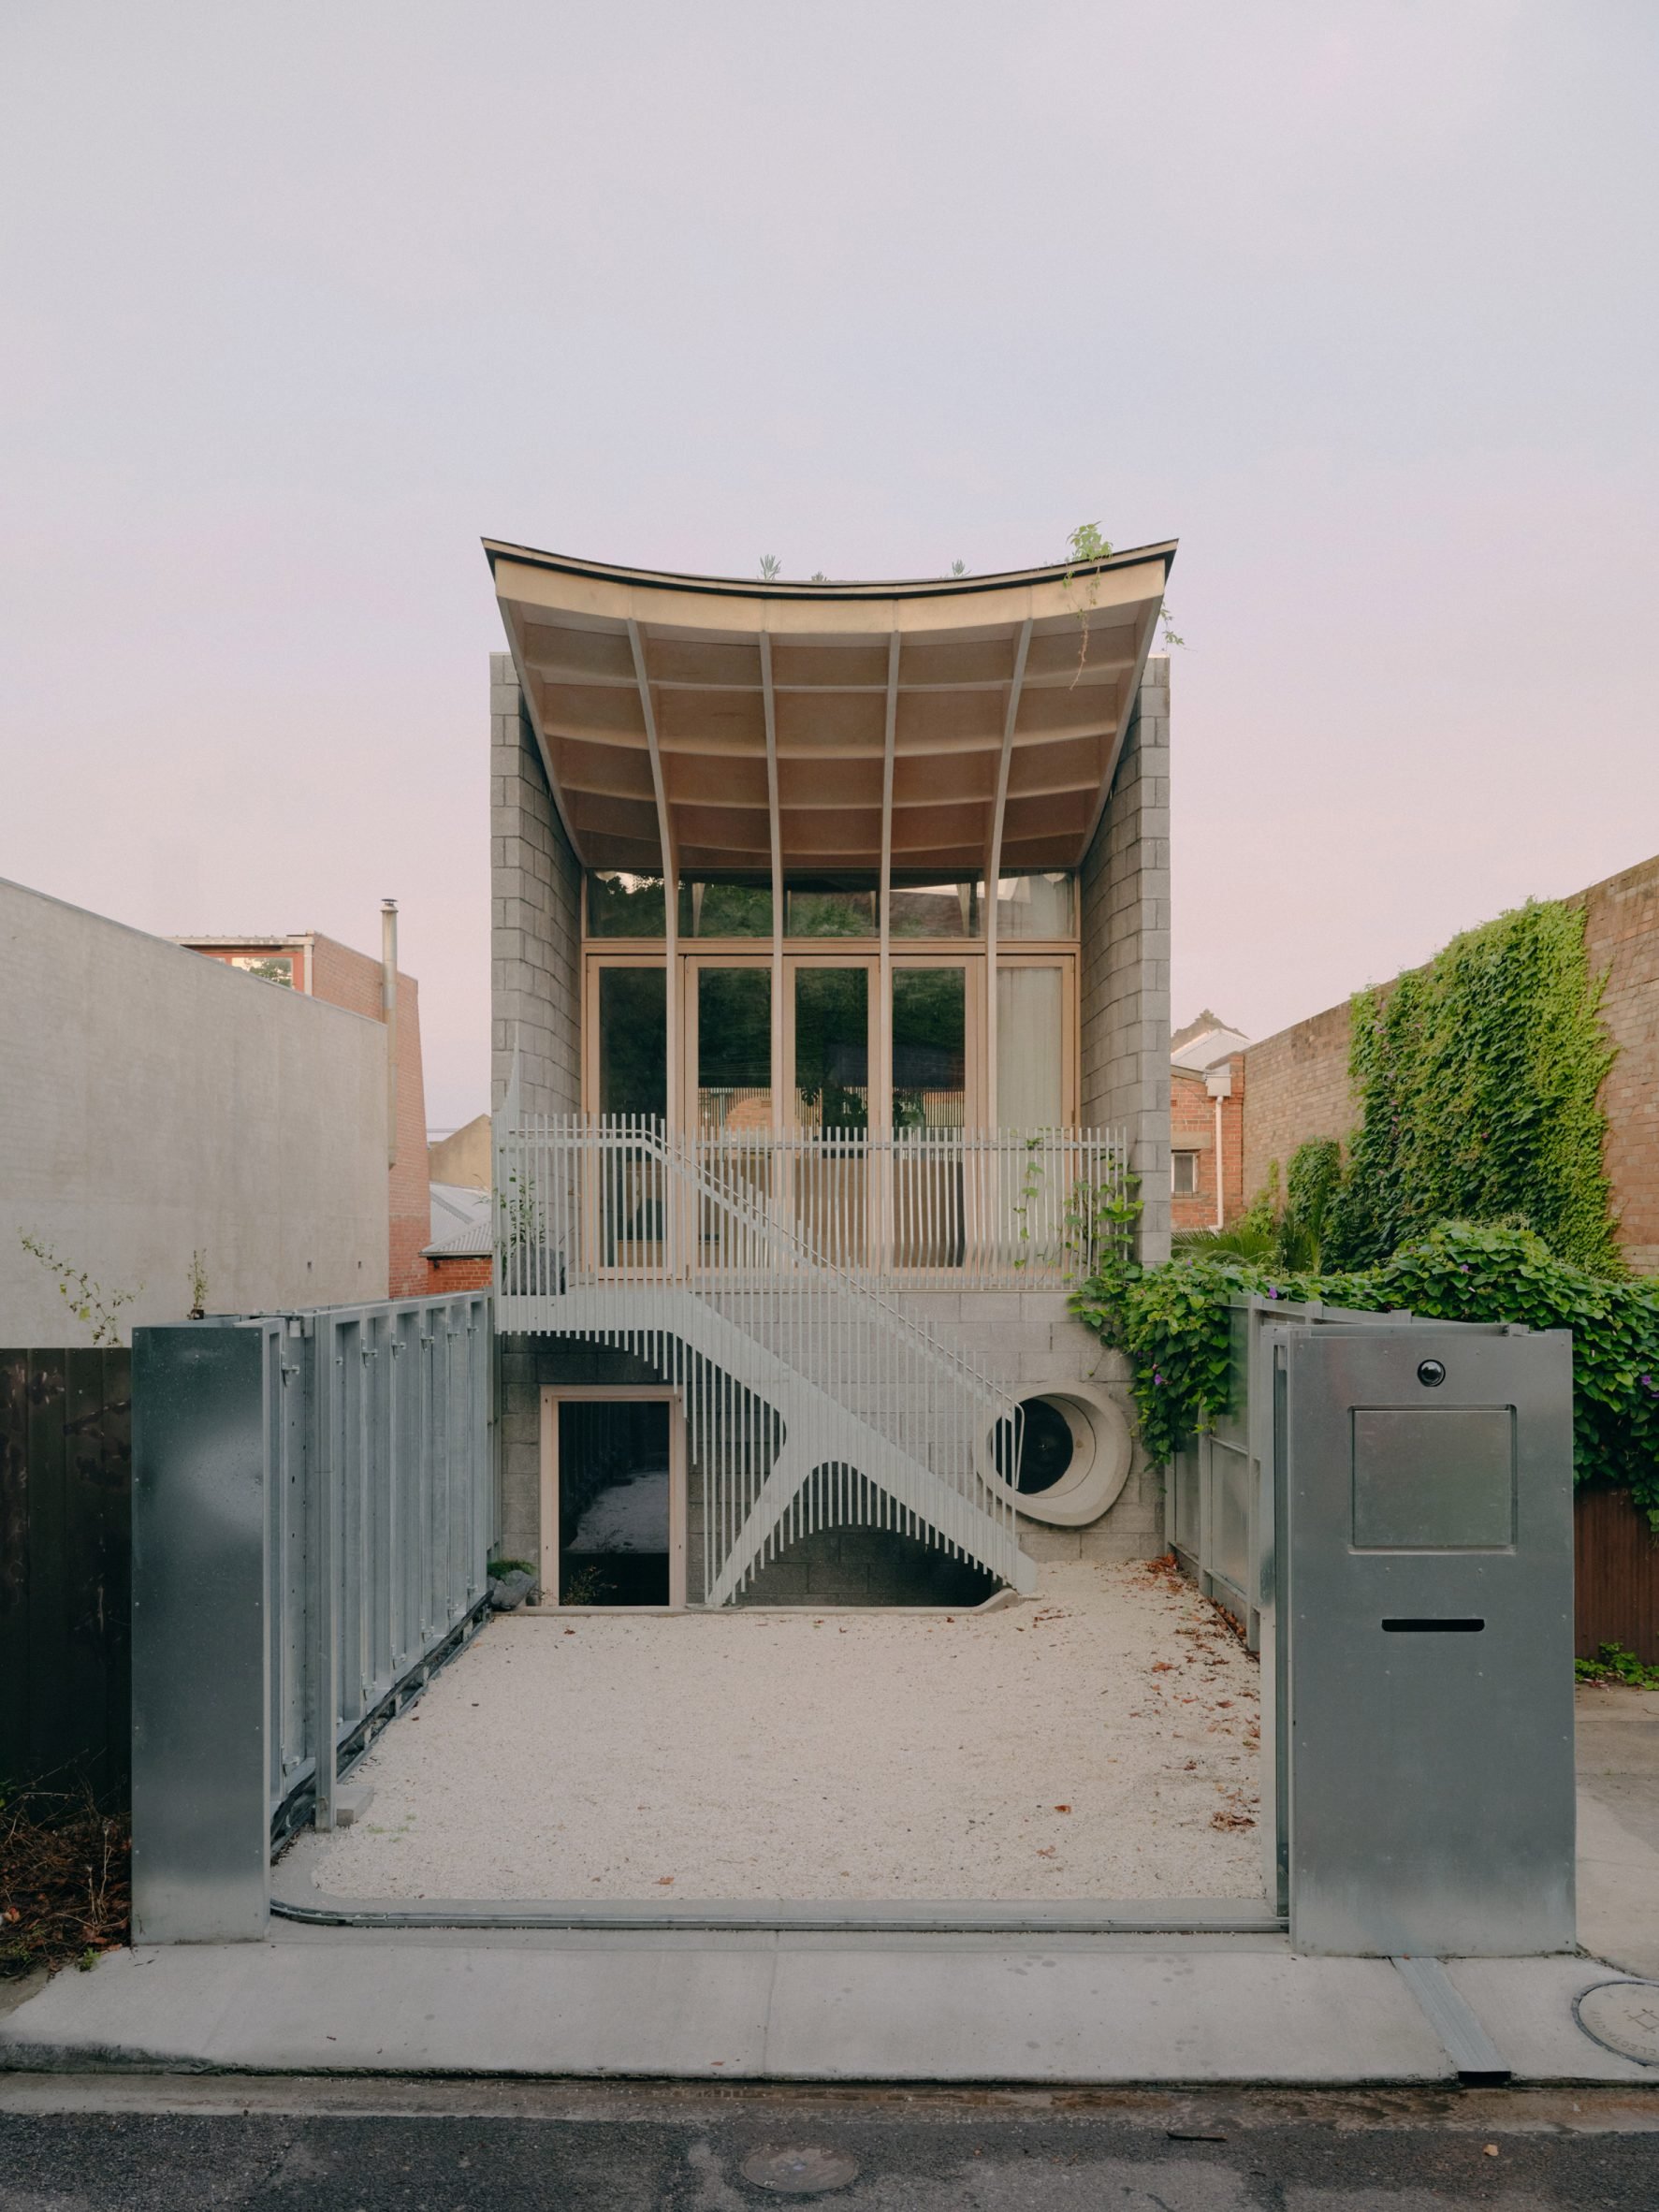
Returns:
<point x="552" y="1395"/>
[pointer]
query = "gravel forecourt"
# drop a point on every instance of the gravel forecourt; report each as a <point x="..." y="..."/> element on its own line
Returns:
<point x="1100" y="1741"/>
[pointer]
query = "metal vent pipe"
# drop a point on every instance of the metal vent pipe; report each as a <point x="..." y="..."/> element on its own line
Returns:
<point x="389" y="1014"/>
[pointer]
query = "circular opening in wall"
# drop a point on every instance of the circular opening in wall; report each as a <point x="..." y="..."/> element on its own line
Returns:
<point x="1073" y="1456"/>
<point x="1045" y="1450"/>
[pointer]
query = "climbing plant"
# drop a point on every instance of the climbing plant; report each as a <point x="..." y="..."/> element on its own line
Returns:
<point x="1172" y="1323"/>
<point x="1477" y="1080"/>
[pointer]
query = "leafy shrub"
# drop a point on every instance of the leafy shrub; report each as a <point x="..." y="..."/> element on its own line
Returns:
<point x="1172" y="1323"/>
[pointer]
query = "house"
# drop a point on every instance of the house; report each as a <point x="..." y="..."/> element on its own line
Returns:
<point x="461" y="1252"/>
<point x="830" y="1010"/>
<point x="318" y="966"/>
<point x="173" y="1137"/>
<point x="1206" y="1124"/>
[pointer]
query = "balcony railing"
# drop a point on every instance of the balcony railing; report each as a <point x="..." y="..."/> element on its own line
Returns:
<point x="930" y="1209"/>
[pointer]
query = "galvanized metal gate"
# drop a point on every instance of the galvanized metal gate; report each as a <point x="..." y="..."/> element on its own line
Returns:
<point x="313" y="1507"/>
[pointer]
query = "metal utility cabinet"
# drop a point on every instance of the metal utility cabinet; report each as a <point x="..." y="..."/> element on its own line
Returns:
<point x="1418" y="1632"/>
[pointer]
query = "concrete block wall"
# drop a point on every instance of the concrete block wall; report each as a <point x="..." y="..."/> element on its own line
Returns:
<point x="536" y="916"/>
<point x="1125" y="990"/>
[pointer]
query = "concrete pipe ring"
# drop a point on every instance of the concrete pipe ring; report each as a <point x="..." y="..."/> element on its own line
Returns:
<point x="1074" y="1456"/>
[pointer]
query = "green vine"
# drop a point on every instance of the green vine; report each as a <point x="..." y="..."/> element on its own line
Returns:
<point x="1172" y="1322"/>
<point x="1478" y="1079"/>
<point x="88" y="1302"/>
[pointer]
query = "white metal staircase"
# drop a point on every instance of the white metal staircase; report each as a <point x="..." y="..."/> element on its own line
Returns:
<point x="813" y="1399"/>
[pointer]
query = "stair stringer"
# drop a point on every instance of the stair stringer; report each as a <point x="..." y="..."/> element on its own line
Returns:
<point x="637" y="1311"/>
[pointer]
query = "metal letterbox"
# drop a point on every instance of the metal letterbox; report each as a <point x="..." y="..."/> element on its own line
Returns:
<point x="1422" y="1582"/>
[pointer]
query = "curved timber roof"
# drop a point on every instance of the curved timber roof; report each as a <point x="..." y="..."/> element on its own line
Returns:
<point x="700" y="724"/>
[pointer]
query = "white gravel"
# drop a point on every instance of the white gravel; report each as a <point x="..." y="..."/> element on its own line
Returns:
<point x="1100" y="1741"/>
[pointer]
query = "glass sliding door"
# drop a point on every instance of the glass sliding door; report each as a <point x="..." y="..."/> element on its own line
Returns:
<point x="734" y="1049"/>
<point x="625" y="1187"/>
<point x="1030" y="1046"/>
<point x="730" y="1065"/>
<point x="829" y="1079"/>
<point x="930" y="1112"/>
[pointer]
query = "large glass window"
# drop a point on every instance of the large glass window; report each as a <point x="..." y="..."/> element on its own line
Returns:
<point x="934" y="909"/>
<point x="1036" y="907"/>
<point x="830" y="906"/>
<point x="929" y="1048"/>
<point x="633" y="1041"/>
<point x="734" y="1048"/>
<point x="725" y="909"/>
<point x="621" y="905"/>
<point x="1030" y="1048"/>
<point x="832" y="1073"/>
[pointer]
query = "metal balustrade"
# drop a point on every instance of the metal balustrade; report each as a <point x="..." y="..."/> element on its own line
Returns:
<point x="739" y="1268"/>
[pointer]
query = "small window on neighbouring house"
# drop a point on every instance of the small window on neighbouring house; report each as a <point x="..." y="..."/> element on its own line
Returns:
<point x="270" y="967"/>
<point x="1185" y="1173"/>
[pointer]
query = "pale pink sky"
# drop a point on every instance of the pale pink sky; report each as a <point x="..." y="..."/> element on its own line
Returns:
<point x="297" y="302"/>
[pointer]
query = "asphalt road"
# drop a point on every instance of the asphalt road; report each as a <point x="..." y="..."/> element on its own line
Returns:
<point x="409" y="2147"/>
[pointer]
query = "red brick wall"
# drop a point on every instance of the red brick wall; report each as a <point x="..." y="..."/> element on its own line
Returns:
<point x="1298" y="1079"/>
<point x="458" y="1274"/>
<point x="352" y="979"/>
<point x="1192" y="1128"/>
<point x="1622" y="935"/>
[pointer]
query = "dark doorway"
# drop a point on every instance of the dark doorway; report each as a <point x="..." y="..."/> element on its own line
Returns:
<point x="615" y="1502"/>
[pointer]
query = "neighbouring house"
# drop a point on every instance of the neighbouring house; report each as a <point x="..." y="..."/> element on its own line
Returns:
<point x="461" y="1157"/>
<point x="461" y="1254"/>
<point x="830" y="1009"/>
<point x="175" y="1135"/>
<point x="1297" y="1085"/>
<point x="320" y="967"/>
<point x="1206" y="1124"/>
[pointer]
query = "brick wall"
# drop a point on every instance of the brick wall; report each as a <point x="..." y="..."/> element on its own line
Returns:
<point x="1298" y="1079"/>
<point x="447" y="1276"/>
<point x="1622" y="935"/>
<point x="535" y="914"/>
<point x="342" y="977"/>
<point x="1298" y="1089"/>
<point x="1125" y="958"/>
<point x="1192" y="1128"/>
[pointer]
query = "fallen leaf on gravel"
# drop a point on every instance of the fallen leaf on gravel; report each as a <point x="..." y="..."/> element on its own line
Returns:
<point x="1062" y="1808"/>
<point x="664" y="1881"/>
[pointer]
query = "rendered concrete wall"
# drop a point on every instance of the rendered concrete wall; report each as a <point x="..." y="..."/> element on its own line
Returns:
<point x="1030" y="1340"/>
<point x="536" y="911"/>
<point x="1125" y="993"/>
<point x="463" y="1157"/>
<point x="153" y="1104"/>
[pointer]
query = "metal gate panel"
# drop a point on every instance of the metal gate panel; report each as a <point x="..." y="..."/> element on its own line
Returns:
<point x="318" y="1486"/>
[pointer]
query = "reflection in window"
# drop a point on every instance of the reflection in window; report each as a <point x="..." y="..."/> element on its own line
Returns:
<point x="833" y="1048"/>
<point x="270" y="967"/>
<point x="1035" y="907"/>
<point x="830" y="906"/>
<point x="633" y="1041"/>
<point x="1183" y="1173"/>
<point x="934" y="909"/>
<point x="929" y="1048"/>
<point x="734" y="1048"/>
<point x="725" y="909"/>
<point x="621" y="905"/>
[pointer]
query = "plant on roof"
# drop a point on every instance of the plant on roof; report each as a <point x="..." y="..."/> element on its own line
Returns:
<point x="1084" y="549"/>
<point x="771" y="567"/>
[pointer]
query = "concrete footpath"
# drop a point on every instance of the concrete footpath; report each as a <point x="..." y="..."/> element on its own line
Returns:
<point x="753" y="2005"/>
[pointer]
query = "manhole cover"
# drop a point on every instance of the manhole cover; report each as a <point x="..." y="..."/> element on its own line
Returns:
<point x="799" y="2170"/>
<point x="1625" y="2018"/>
